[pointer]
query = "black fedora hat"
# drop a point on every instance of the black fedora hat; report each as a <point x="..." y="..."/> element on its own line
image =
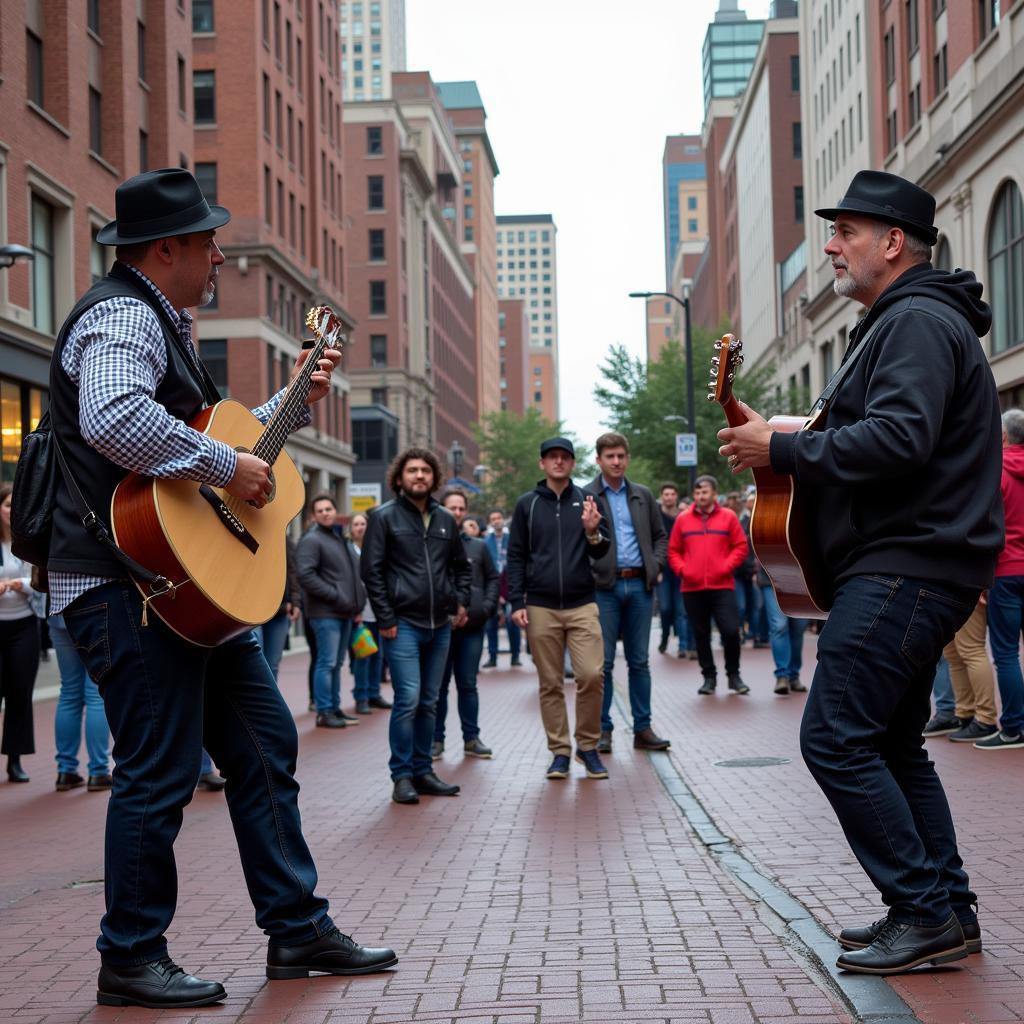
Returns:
<point x="891" y="199"/>
<point x="158" y="204"/>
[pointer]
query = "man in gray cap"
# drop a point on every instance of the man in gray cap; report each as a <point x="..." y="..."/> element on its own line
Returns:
<point x="903" y="484"/>
<point x="556" y="533"/>
<point x="125" y="380"/>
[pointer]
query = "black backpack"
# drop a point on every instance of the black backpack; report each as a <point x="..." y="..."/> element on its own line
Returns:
<point x="34" y="496"/>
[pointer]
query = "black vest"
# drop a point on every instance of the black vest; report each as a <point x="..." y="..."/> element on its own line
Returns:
<point x="183" y="392"/>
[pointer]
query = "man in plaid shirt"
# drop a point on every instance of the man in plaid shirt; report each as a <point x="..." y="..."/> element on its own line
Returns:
<point x="125" y="380"/>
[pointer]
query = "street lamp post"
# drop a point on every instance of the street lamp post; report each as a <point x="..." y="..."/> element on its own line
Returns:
<point x="456" y="455"/>
<point x="10" y="254"/>
<point x="691" y="471"/>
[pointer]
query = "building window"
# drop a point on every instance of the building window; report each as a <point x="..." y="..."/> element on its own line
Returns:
<point x="889" y="47"/>
<point x="988" y="16"/>
<point x="182" y="98"/>
<point x="202" y="15"/>
<point x="378" y="298"/>
<point x="98" y="261"/>
<point x="43" y="284"/>
<point x="95" y="121"/>
<point x="468" y="211"/>
<point x="1006" y="269"/>
<point x="34" y="66"/>
<point x="798" y="204"/>
<point x="378" y="350"/>
<point x="467" y="233"/>
<point x="943" y="257"/>
<point x="214" y="354"/>
<point x="798" y="141"/>
<point x="938" y="6"/>
<point x="691" y="226"/>
<point x="206" y="175"/>
<point x="143" y="150"/>
<point x="940" y="66"/>
<point x="910" y="10"/>
<point x="375" y="192"/>
<point x="914" y="105"/>
<point x="204" y="97"/>
<point x="140" y="35"/>
<point x="92" y="16"/>
<point x="378" y="396"/>
<point x="268" y="197"/>
<point x="794" y="73"/>
<point x="827" y="367"/>
<point x="891" y="134"/>
<point x="374" y="140"/>
<point x="377" y="243"/>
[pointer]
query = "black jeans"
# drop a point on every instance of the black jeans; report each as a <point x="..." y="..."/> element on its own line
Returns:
<point x="19" y="664"/>
<point x="165" y="700"/>
<point x="861" y="739"/>
<point x="701" y="607"/>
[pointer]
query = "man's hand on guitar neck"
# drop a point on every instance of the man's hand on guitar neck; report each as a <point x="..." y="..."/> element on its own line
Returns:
<point x="747" y="447"/>
<point x="251" y="480"/>
<point x="321" y="377"/>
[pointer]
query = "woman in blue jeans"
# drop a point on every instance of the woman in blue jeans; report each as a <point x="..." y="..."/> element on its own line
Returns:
<point x="366" y="671"/>
<point x="78" y="695"/>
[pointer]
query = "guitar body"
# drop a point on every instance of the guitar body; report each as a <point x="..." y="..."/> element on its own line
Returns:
<point x="222" y="588"/>
<point x="782" y="536"/>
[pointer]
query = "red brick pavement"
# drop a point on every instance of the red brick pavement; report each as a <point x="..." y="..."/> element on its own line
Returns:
<point x="521" y="901"/>
<point x="780" y="820"/>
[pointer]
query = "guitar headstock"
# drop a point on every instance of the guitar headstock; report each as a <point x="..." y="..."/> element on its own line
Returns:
<point x="324" y="323"/>
<point x="724" y="364"/>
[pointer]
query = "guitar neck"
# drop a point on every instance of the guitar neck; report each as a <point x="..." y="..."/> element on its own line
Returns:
<point x="733" y="413"/>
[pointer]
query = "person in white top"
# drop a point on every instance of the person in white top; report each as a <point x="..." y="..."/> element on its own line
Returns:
<point x="367" y="671"/>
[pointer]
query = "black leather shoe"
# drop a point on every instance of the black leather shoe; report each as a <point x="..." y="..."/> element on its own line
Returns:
<point x="736" y="685"/>
<point x="404" y="792"/>
<point x="333" y="954"/>
<point x="347" y="719"/>
<point x="213" y="782"/>
<point x="707" y="687"/>
<point x="15" y="773"/>
<point x="68" y="780"/>
<point x="902" y="947"/>
<point x="858" y="938"/>
<point x="159" y="985"/>
<point x="604" y="744"/>
<point x="329" y="720"/>
<point x="431" y="785"/>
<point x="648" y="739"/>
<point x="363" y="708"/>
<point x="379" y="702"/>
<point x="101" y="783"/>
<point x="663" y="644"/>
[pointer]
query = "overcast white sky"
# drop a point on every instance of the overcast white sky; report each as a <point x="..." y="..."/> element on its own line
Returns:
<point x="580" y="95"/>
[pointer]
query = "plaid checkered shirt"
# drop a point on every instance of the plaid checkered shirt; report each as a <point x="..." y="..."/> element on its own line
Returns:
<point x="117" y="356"/>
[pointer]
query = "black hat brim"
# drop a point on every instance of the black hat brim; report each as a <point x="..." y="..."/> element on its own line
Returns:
<point x="217" y="217"/>
<point x="926" y="233"/>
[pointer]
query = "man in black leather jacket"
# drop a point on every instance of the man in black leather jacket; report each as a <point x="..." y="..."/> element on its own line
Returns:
<point x="417" y="577"/>
<point x="467" y="641"/>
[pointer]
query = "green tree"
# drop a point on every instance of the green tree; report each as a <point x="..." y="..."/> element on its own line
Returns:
<point x="509" y="446"/>
<point x="647" y="403"/>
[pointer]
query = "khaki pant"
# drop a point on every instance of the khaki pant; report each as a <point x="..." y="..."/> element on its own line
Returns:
<point x="971" y="670"/>
<point x="549" y="631"/>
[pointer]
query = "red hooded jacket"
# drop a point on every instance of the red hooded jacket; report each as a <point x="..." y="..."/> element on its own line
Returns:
<point x="1011" y="560"/>
<point x="704" y="553"/>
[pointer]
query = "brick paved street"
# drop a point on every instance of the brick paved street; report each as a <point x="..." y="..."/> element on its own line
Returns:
<point x="522" y="900"/>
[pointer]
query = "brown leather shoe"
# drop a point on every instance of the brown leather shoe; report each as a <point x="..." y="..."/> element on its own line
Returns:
<point x="648" y="739"/>
<point x="604" y="744"/>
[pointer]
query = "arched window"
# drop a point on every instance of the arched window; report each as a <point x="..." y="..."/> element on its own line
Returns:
<point x="1006" y="269"/>
<point x="943" y="257"/>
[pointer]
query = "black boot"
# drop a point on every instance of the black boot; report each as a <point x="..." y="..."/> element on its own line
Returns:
<point x="15" y="773"/>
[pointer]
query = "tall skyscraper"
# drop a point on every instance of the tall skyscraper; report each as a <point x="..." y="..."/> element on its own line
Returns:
<point x="372" y="47"/>
<point x="728" y="55"/>
<point x="527" y="269"/>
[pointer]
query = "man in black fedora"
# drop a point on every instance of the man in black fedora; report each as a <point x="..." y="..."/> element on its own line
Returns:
<point x="124" y="382"/>
<point x="904" y="484"/>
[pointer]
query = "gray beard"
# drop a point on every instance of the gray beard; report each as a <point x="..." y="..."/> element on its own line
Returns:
<point x="207" y="297"/>
<point x="844" y="287"/>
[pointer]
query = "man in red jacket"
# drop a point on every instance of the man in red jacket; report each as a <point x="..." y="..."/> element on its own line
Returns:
<point x="707" y="545"/>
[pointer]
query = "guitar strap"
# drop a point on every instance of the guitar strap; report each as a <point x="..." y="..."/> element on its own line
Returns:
<point x="847" y="365"/>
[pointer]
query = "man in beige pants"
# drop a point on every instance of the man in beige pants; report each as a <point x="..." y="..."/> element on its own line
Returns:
<point x="555" y="533"/>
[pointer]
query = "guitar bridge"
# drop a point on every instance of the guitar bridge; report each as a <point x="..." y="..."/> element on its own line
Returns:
<point x="229" y="519"/>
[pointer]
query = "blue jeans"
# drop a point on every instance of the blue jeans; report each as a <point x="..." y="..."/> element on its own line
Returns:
<point x="78" y="693"/>
<point x="861" y="739"/>
<point x="627" y="609"/>
<point x="514" y="637"/>
<point x="672" y="610"/>
<point x="165" y="700"/>
<point x="416" y="658"/>
<point x="787" y="637"/>
<point x="748" y="600"/>
<point x="942" y="691"/>
<point x="1005" y="620"/>
<point x="331" y="644"/>
<point x="366" y="671"/>
<point x="464" y="661"/>
<point x="271" y="637"/>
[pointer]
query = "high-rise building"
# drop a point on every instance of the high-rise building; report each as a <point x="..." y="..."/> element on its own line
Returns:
<point x="91" y="94"/>
<point x="528" y="269"/>
<point x="479" y="234"/>
<point x="372" y="47"/>
<point x="275" y="161"/>
<point x="662" y="324"/>
<point x="514" y="346"/>
<point x="730" y="44"/>
<point x="684" y="198"/>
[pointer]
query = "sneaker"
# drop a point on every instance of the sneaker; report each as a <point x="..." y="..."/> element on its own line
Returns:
<point x="329" y="720"/>
<point x="604" y="744"/>
<point x="941" y="725"/>
<point x="559" y="768"/>
<point x="737" y="685"/>
<point x="796" y="686"/>
<point x="974" y="730"/>
<point x="1001" y="741"/>
<point x="346" y="718"/>
<point x="708" y="686"/>
<point x="782" y="685"/>
<point x="474" y="748"/>
<point x="436" y="750"/>
<point x="591" y="760"/>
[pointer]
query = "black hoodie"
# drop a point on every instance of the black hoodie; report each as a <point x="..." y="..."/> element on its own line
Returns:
<point x="904" y="479"/>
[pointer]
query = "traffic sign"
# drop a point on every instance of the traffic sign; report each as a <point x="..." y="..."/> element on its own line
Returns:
<point x="686" y="449"/>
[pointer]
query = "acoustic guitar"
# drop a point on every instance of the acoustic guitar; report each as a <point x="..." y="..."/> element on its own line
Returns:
<point x="223" y="560"/>
<point x="781" y="531"/>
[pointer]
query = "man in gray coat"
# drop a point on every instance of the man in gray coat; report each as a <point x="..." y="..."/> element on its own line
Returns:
<point x="625" y="578"/>
<point x="333" y="599"/>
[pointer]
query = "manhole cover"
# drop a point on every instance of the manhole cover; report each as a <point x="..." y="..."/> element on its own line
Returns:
<point x="752" y="762"/>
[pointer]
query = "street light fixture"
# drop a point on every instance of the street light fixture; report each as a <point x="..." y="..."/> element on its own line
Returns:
<point x="10" y="254"/>
<point x="691" y="471"/>
<point x="456" y="456"/>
